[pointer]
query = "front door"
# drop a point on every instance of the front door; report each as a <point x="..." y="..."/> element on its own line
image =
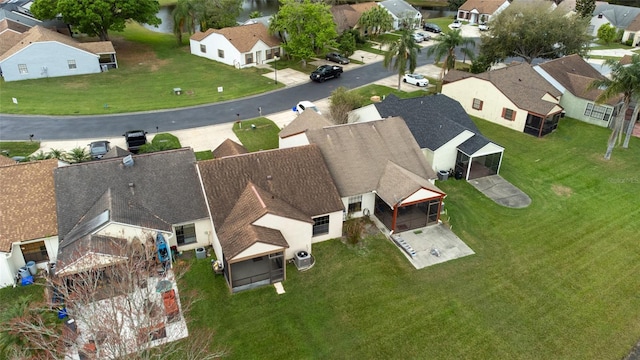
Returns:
<point x="258" y="57"/>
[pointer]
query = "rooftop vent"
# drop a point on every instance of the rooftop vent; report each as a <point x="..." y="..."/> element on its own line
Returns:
<point x="127" y="160"/>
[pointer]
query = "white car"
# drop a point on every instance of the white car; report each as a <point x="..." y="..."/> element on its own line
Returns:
<point x="456" y="24"/>
<point x="415" y="79"/>
<point x="417" y="38"/>
<point x="304" y="105"/>
<point x="483" y="27"/>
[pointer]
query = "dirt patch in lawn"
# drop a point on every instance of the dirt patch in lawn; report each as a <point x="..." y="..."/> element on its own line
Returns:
<point x="561" y="190"/>
<point x="136" y="54"/>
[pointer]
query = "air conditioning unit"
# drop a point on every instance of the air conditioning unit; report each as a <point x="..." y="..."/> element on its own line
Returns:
<point x="302" y="260"/>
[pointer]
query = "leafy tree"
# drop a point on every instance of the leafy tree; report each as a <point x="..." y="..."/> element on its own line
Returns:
<point x="446" y="45"/>
<point x="625" y="82"/>
<point x="455" y="4"/>
<point x="255" y="14"/>
<point x="585" y="8"/>
<point x="98" y="17"/>
<point x="480" y="64"/>
<point x="342" y="102"/>
<point x="607" y="33"/>
<point x="347" y="43"/>
<point x="532" y="30"/>
<point x="402" y="52"/>
<point x="218" y="14"/>
<point x="308" y="28"/>
<point x="375" y="21"/>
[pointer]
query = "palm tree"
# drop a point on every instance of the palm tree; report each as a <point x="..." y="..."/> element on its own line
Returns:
<point x="185" y="15"/>
<point x="625" y="82"/>
<point x="402" y="52"/>
<point x="446" y="45"/>
<point x="77" y="155"/>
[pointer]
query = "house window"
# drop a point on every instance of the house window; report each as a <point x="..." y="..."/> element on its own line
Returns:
<point x="598" y="112"/>
<point x="203" y="48"/>
<point x="276" y="51"/>
<point x="186" y="234"/>
<point x="508" y="114"/>
<point x="36" y="252"/>
<point x="71" y="64"/>
<point x="355" y="203"/>
<point x="22" y="69"/>
<point x="248" y="58"/>
<point x="477" y="104"/>
<point x="321" y="225"/>
<point x="221" y="53"/>
<point x="269" y="54"/>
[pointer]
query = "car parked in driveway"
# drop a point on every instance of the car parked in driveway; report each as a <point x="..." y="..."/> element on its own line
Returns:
<point x="324" y="72"/>
<point x="483" y="27"/>
<point x="417" y="38"/>
<point x="97" y="149"/>
<point x="337" y="58"/>
<point x="431" y="27"/>
<point x="425" y="36"/>
<point x="135" y="139"/>
<point x="415" y="79"/>
<point x="306" y="105"/>
<point x="456" y="24"/>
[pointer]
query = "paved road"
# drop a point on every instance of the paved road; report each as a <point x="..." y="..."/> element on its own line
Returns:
<point x="19" y="127"/>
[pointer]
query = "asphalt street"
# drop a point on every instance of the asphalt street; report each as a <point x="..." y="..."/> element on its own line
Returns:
<point x="19" y="127"/>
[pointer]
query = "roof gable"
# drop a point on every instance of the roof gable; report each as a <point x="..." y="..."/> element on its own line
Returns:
<point x="164" y="183"/>
<point x="396" y="184"/>
<point x="228" y="148"/>
<point x="482" y="6"/>
<point x="27" y="202"/>
<point x="243" y="37"/>
<point x="357" y="153"/>
<point x="307" y="120"/>
<point x="618" y="15"/>
<point x="398" y="7"/>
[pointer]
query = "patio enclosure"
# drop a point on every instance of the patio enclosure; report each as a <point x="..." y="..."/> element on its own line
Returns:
<point x="251" y="273"/>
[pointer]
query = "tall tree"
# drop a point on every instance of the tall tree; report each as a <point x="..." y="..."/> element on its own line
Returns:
<point x="98" y="17"/>
<point x="446" y="45"/>
<point x="218" y="14"/>
<point x="401" y="53"/>
<point x="532" y="30"/>
<point x="625" y="82"/>
<point x="585" y="8"/>
<point x="185" y="17"/>
<point x="307" y="26"/>
<point x="375" y="21"/>
<point x="455" y="4"/>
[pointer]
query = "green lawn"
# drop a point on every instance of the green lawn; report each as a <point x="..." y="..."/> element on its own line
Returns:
<point x="557" y="280"/>
<point x="257" y="134"/>
<point x="151" y="66"/>
<point x="18" y="148"/>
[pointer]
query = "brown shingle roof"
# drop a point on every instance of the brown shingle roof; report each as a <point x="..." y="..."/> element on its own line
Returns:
<point x="40" y="34"/>
<point x="16" y="27"/>
<point x="357" y="154"/>
<point x="635" y="24"/>
<point x="523" y="86"/>
<point x="27" y="202"/>
<point x="575" y="74"/>
<point x="242" y="37"/>
<point x="303" y="122"/>
<point x="397" y="183"/>
<point x="228" y="148"/>
<point x="346" y="16"/>
<point x="483" y="6"/>
<point x="5" y="161"/>
<point x="297" y="176"/>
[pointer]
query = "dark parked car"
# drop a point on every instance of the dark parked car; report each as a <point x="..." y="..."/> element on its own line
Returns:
<point x="324" y="72"/>
<point x="337" y="58"/>
<point x="97" y="149"/>
<point x="432" y="28"/>
<point x="135" y="139"/>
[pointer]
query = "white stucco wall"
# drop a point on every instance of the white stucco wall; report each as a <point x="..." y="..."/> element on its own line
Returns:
<point x="232" y="56"/>
<point x="493" y="101"/>
<point x="7" y="272"/>
<point x="49" y="59"/>
<point x="11" y="262"/>
<point x="574" y="107"/>
<point x="335" y="228"/>
<point x="297" y="233"/>
<point x="368" y="203"/>
<point x="204" y="236"/>
<point x="293" y="141"/>
<point x="444" y="158"/>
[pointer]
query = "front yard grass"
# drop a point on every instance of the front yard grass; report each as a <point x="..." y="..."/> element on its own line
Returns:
<point x="257" y="134"/>
<point x="18" y="148"/>
<point x="151" y="66"/>
<point x="555" y="280"/>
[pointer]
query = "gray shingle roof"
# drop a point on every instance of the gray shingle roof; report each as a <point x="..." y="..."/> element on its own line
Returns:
<point x="297" y="176"/>
<point x="398" y="7"/>
<point x="164" y="183"/>
<point x="433" y="120"/>
<point x="618" y="15"/>
<point x="306" y="120"/>
<point x="357" y="154"/>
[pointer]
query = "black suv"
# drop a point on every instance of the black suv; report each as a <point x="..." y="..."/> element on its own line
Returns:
<point x="432" y="28"/>
<point x="135" y="139"/>
<point x="324" y="72"/>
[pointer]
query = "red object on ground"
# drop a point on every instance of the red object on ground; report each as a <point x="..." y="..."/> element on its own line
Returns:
<point x="170" y="303"/>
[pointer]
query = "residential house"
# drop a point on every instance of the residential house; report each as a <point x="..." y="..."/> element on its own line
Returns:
<point x="19" y="11"/>
<point x="42" y="53"/>
<point x="379" y="170"/>
<point x="228" y="148"/>
<point x="240" y="46"/>
<point x="445" y="133"/>
<point x="516" y="97"/>
<point x="266" y="207"/>
<point x="132" y="197"/>
<point x="404" y="15"/>
<point x="571" y="75"/>
<point x="480" y="11"/>
<point x="346" y="16"/>
<point x="28" y="223"/>
<point x="621" y="17"/>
